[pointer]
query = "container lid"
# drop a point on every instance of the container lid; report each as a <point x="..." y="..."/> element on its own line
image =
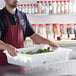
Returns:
<point x="60" y="1"/>
<point x="48" y="24"/>
<point x="41" y="24"/>
<point x="68" y="1"/>
<point x="21" y="4"/>
<point x="57" y="1"/>
<point x="55" y="24"/>
<point x="74" y="24"/>
<point x="45" y="1"/>
<point x="42" y="1"/>
<point x="49" y="1"/>
<point x="25" y="4"/>
<point x="35" y="4"/>
<point x="31" y="4"/>
<point x="53" y="1"/>
<point x="64" y="1"/>
<point x="62" y="24"/>
<point x="69" y="24"/>
<point x="38" y="1"/>
<point x="34" y="24"/>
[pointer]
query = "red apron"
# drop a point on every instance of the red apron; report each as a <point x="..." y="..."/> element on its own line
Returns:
<point x="13" y="37"/>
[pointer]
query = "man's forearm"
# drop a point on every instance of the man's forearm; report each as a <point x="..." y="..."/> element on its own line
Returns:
<point x="40" y="40"/>
<point x="3" y="45"/>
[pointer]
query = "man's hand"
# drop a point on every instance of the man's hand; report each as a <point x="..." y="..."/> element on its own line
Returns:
<point x="53" y="44"/>
<point x="12" y="50"/>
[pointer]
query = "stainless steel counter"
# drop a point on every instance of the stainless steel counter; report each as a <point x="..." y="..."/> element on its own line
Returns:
<point x="10" y="70"/>
<point x="13" y="70"/>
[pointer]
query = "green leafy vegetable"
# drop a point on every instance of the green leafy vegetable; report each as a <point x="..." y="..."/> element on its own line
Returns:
<point x="39" y="51"/>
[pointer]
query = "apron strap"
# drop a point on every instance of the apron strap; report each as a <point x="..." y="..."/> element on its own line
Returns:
<point x="19" y="20"/>
<point x="7" y="17"/>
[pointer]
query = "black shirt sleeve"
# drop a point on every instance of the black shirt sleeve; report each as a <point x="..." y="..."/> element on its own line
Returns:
<point x="3" y="28"/>
<point x="29" y="30"/>
<point x="0" y="30"/>
<point x="0" y="33"/>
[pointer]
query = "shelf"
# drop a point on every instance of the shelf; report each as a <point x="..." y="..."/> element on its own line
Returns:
<point x="70" y="14"/>
<point x="51" y="18"/>
<point x="65" y="42"/>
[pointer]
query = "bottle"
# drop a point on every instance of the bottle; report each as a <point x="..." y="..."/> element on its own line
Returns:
<point x="70" y="31"/>
<point x="19" y="7"/>
<point x="56" y="30"/>
<point x="42" y="7"/>
<point x="42" y="30"/>
<point x="70" y="9"/>
<point x="49" y="31"/>
<point x="39" y="7"/>
<point x="26" y="8"/>
<point x="58" y="7"/>
<point x="50" y="7"/>
<point x="72" y="36"/>
<point x="62" y="7"/>
<point x="32" y="9"/>
<point x="75" y="30"/>
<point x="35" y="8"/>
<point x="29" y="8"/>
<point x="63" y="31"/>
<point x="54" y="7"/>
<point x="23" y="8"/>
<point x="35" y="27"/>
<point x="66" y="6"/>
<point x="46" y="7"/>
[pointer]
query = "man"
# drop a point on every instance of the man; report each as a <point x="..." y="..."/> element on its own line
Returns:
<point x="14" y="28"/>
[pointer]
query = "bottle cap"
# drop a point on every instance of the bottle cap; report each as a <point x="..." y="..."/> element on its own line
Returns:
<point x="34" y="24"/>
<point x="48" y="24"/>
<point x="41" y="24"/>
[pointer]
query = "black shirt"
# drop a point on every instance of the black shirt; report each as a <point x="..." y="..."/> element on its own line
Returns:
<point x="26" y="26"/>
